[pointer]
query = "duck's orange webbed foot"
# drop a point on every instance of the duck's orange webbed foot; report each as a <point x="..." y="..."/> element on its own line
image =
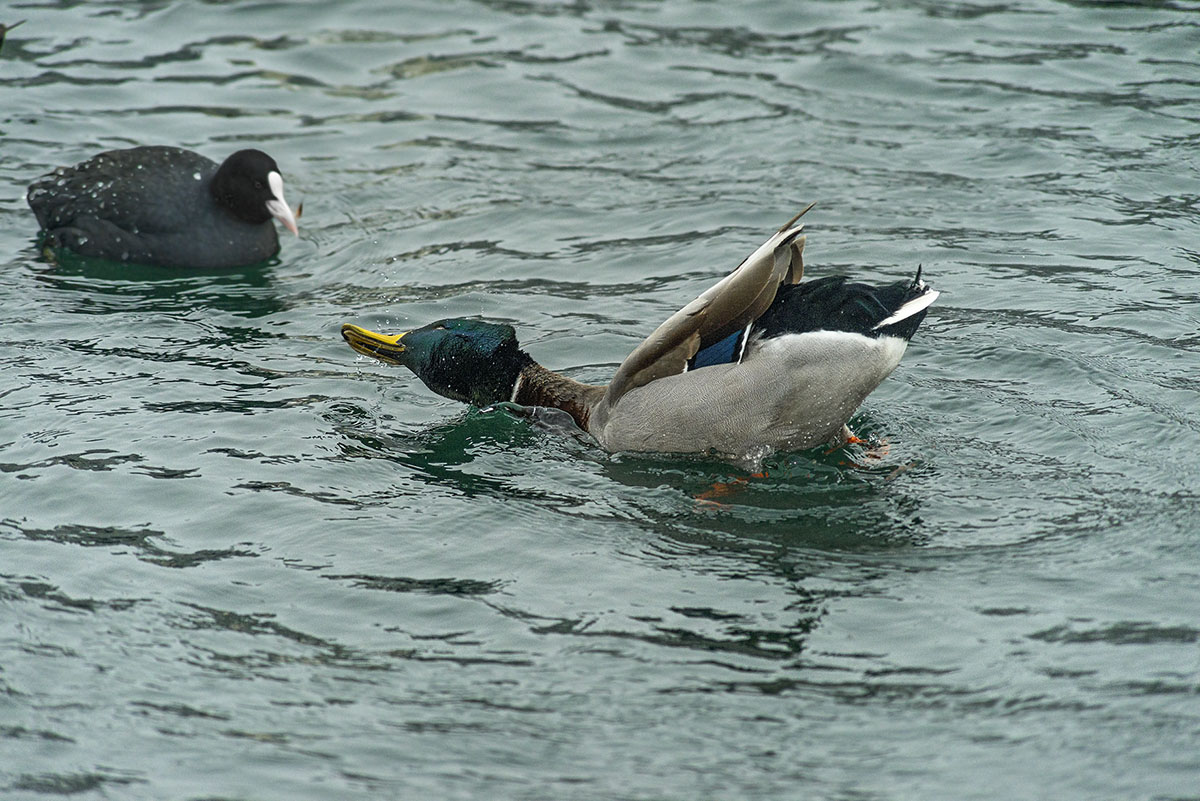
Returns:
<point x="722" y="489"/>
<point x="875" y="450"/>
<point x="850" y="439"/>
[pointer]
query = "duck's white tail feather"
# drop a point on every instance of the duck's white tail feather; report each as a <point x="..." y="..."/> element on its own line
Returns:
<point x="917" y="304"/>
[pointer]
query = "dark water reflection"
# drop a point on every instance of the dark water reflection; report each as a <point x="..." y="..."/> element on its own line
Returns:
<point x="95" y="286"/>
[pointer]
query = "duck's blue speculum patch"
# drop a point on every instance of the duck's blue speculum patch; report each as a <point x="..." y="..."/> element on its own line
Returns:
<point x="723" y="352"/>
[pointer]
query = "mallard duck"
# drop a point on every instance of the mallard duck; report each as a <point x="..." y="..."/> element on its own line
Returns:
<point x="164" y="206"/>
<point x="759" y="361"/>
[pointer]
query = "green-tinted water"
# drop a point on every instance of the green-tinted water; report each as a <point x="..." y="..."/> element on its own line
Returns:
<point x="238" y="562"/>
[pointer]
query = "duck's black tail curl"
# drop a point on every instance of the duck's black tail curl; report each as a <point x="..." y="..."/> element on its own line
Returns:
<point x="830" y="304"/>
<point x="838" y="304"/>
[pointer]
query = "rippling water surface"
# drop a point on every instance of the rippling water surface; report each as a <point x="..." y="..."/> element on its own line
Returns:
<point x="239" y="562"/>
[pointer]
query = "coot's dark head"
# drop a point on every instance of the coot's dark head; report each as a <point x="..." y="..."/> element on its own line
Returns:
<point x="248" y="183"/>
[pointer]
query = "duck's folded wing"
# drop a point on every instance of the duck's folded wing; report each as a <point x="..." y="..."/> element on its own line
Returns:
<point x="729" y="305"/>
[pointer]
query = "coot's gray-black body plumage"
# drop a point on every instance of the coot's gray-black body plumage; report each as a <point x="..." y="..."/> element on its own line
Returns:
<point x="164" y="206"/>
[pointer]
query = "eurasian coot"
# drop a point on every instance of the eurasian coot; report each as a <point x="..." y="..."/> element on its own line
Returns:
<point x="165" y="206"/>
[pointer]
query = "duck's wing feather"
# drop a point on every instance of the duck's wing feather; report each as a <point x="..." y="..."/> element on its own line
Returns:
<point x="729" y="305"/>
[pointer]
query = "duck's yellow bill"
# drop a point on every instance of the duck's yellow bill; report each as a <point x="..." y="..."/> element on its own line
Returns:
<point x="379" y="346"/>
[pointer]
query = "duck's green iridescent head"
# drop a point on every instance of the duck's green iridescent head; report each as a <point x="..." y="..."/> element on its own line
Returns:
<point x="465" y="360"/>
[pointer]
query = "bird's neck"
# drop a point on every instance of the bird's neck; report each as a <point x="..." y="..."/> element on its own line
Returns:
<point x="537" y="386"/>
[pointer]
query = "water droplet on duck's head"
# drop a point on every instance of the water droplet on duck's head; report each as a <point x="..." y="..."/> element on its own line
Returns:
<point x="195" y="176"/>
